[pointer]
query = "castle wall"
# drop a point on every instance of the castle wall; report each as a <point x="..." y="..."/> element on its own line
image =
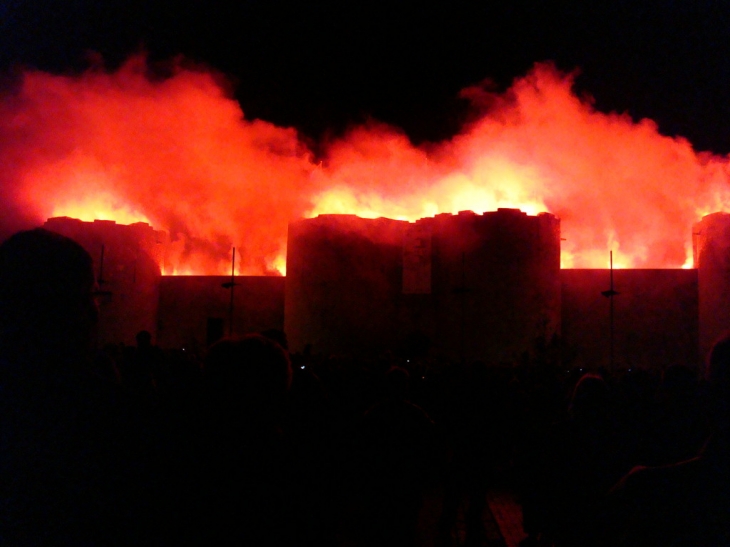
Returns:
<point x="129" y="277"/>
<point x="452" y="286"/>
<point x="711" y="237"/>
<point x="195" y="308"/>
<point x="655" y="318"/>
<point x="457" y="286"/>
<point x="496" y="283"/>
<point x="343" y="284"/>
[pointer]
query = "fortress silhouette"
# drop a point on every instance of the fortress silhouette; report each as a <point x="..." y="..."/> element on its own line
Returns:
<point x="449" y="287"/>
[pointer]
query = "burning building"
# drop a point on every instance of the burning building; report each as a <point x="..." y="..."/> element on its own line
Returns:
<point x="178" y="153"/>
<point x="180" y="311"/>
<point x="464" y="286"/>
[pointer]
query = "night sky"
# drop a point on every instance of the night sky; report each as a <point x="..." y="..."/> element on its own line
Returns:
<point x="322" y="66"/>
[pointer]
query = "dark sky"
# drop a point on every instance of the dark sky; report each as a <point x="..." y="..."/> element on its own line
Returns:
<point x="320" y="66"/>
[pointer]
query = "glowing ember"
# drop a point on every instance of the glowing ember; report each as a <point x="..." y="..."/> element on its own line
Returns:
<point x="179" y="154"/>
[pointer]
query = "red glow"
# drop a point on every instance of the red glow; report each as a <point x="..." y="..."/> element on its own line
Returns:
<point x="179" y="154"/>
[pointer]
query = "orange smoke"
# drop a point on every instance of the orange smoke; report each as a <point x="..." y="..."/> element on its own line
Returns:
<point x="179" y="154"/>
<point x="614" y="183"/>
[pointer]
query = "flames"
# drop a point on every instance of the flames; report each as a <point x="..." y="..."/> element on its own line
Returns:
<point x="178" y="153"/>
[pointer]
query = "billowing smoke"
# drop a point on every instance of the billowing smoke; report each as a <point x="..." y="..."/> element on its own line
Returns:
<point x="178" y="153"/>
<point x="175" y="152"/>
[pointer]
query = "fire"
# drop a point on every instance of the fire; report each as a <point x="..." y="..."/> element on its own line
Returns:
<point x="171" y="270"/>
<point x="278" y="264"/>
<point x="689" y="261"/>
<point x="99" y="206"/>
<point x="179" y="154"/>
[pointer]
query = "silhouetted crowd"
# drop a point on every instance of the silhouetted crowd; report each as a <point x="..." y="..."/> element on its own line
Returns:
<point x="249" y="445"/>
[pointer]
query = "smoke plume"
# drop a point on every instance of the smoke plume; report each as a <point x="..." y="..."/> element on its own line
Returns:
<point x="178" y="152"/>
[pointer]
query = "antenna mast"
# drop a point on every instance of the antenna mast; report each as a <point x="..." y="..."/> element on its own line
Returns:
<point x="610" y="293"/>
<point x="230" y="285"/>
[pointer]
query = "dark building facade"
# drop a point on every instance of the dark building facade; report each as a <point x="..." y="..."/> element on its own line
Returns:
<point x="655" y="318"/>
<point x="127" y="263"/>
<point x="711" y="238"/>
<point x="457" y="286"/>
<point x="179" y="311"/>
<point x="195" y="310"/>
<point x="451" y="287"/>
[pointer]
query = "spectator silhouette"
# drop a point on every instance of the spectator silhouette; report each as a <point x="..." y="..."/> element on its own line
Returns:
<point x="477" y="436"/>
<point x="398" y="447"/>
<point x="310" y="428"/>
<point x="582" y="462"/>
<point x="240" y="460"/>
<point x="150" y="357"/>
<point x="75" y="467"/>
<point x="538" y="402"/>
<point x="678" y="428"/>
<point x="688" y="502"/>
<point x="278" y="336"/>
<point x="138" y="367"/>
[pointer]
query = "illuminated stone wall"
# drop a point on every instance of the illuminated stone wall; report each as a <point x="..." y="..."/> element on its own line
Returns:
<point x="458" y="286"/>
<point x="711" y="237"/>
<point x="343" y="284"/>
<point x="452" y="286"/>
<point x="655" y="318"/>
<point x="192" y="307"/>
<point x="128" y="279"/>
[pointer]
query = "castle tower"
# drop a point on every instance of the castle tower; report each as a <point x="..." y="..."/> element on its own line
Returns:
<point x="711" y="241"/>
<point x="463" y="286"/>
<point x="128" y="277"/>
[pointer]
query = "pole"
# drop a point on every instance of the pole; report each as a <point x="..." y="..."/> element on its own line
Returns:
<point x="230" y="285"/>
<point x="233" y="284"/>
<point x="610" y="293"/>
<point x="610" y="359"/>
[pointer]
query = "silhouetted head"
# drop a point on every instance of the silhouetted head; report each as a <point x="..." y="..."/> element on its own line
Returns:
<point x="278" y="336"/>
<point x="679" y="383"/>
<point x="144" y="339"/>
<point x="590" y="397"/>
<point x="250" y="373"/>
<point x="47" y="307"/>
